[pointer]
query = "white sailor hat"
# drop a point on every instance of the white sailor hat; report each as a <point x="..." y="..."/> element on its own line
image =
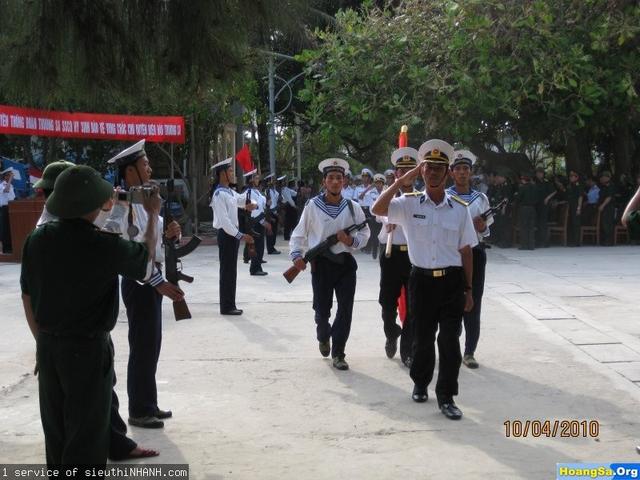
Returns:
<point x="366" y="171"/>
<point x="333" y="165"/>
<point x="268" y="176"/>
<point x="436" y="151"/>
<point x="378" y="177"/>
<point x="6" y="170"/>
<point x="463" y="156"/>
<point x="389" y="172"/>
<point x="129" y="154"/>
<point x="281" y="178"/>
<point x="220" y="166"/>
<point x="405" y="157"/>
<point x="249" y="174"/>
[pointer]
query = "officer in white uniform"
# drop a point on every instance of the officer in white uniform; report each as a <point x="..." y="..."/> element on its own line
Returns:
<point x="225" y="203"/>
<point x="259" y="224"/>
<point x="440" y="236"/>
<point x="478" y="203"/>
<point x="143" y="302"/>
<point x="327" y="214"/>
<point x="273" y="201"/>
<point x="7" y="194"/>
<point x="395" y="270"/>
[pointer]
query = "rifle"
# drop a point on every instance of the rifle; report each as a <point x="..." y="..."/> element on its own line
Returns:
<point x="493" y="210"/>
<point x="173" y="252"/>
<point x="322" y="247"/>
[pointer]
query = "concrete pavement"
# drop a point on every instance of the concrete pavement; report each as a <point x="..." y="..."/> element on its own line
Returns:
<point x="253" y="399"/>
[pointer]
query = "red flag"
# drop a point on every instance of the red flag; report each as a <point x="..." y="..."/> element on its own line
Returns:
<point x="403" y="141"/>
<point x="244" y="159"/>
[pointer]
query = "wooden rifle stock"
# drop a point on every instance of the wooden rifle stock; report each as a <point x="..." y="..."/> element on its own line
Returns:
<point x="291" y="274"/>
<point x="181" y="310"/>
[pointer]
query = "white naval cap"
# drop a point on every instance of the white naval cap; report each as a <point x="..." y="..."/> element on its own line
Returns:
<point x="248" y="174"/>
<point x="223" y="165"/>
<point x="388" y="172"/>
<point x="436" y="151"/>
<point x="281" y="178"/>
<point x="333" y="165"/>
<point x="405" y="157"/>
<point x="7" y="170"/>
<point x="378" y="177"/>
<point x="366" y="171"/>
<point x="463" y="156"/>
<point x="268" y="176"/>
<point x="129" y="154"/>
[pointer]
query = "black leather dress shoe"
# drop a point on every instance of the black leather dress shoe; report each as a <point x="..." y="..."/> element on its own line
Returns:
<point x="261" y="273"/>
<point x="419" y="394"/>
<point x="325" y="348"/>
<point x="162" y="414"/>
<point x="451" y="411"/>
<point x="146" y="422"/>
<point x="235" y="311"/>
<point x="274" y="252"/>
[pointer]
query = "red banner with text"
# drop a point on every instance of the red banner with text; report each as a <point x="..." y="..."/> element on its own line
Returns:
<point x="28" y="121"/>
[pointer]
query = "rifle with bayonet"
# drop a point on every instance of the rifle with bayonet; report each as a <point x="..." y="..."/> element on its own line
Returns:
<point x="323" y="247"/>
<point x="493" y="210"/>
<point x="173" y="252"/>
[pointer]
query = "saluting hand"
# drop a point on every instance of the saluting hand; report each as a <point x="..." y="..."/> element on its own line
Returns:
<point x="173" y="230"/>
<point x="170" y="290"/>
<point x="411" y="175"/>
<point x="344" y="238"/>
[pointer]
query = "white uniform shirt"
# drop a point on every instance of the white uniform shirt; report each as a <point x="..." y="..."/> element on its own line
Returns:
<point x="225" y="203"/>
<point x="370" y="198"/>
<point x="435" y="233"/>
<point x="349" y="192"/>
<point x="398" y="238"/>
<point x="288" y="194"/>
<point x="319" y="220"/>
<point x="478" y="204"/>
<point x="256" y="197"/>
<point x="274" y="197"/>
<point x="364" y="201"/>
<point x="6" y="197"/>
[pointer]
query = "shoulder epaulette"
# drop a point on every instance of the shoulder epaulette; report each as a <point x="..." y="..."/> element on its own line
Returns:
<point x="412" y="194"/>
<point x="456" y="198"/>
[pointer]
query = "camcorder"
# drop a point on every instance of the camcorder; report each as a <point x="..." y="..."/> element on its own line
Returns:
<point x="137" y="194"/>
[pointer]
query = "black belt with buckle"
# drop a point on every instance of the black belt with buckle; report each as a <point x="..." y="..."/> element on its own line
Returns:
<point x="399" y="248"/>
<point x="435" y="272"/>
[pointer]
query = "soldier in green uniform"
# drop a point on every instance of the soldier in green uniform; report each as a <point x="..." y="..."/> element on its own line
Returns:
<point x="575" y="197"/>
<point x="527" y="199"/>
<point x="545" y="191"/>
<point x="69" y="283"/>
<point x="606" y="209"/>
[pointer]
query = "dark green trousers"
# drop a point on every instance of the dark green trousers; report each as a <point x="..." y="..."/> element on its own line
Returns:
<point x="75" y="383"/>
<point x="527" y="225"/>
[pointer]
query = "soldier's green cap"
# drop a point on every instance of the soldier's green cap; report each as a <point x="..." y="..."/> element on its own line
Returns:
<point x="633" y="225"/>
<point x="78" y="190"/>
<point x="50" y="174"/>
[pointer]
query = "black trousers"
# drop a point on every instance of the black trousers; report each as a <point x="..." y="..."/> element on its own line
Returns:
<point x="472" y="318"/>
<point x="144" y="313"/>
<point x="271" y="239"/>
<point x="527" y="226"/>
<point x="437" y="303"/>
<point x="228" y="256"/>
<point x="328" y="277"/>
<point x="373" y="238"/>
<point x="75" y="383"/>
<point x="574" y="224"/>
<point x="290" y="220"/>
<point x="5" y="229"/>
<point x="607" y="224"/>
<point x="256" y="262"/>
<point x="542" y="225"/>
<point x="394" y="274"/>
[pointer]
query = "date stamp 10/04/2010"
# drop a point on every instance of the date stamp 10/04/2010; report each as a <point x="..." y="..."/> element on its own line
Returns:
<point x="552" y="428"/>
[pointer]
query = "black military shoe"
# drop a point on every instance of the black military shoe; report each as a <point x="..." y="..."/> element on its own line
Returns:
<point x="340" y="363"/>
<point x="419" y="394"/>
<point x="162" y="414"/>
<point x="235" y="311"/>
<point x="146" y="422"/>
<point x="261" y="273"/>
<point x="391" y="347"/>
<point x="274" y="252"/>
<point x="450" y="410"/>
<point x="325" y="348"/>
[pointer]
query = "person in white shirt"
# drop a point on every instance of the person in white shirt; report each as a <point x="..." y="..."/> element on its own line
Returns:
<point x="440" y="236"/>
<point x="334" y="271"/>
<point x="369" y="199"/>
<point x="258" y="220"/>
<point x="349" y="189"/>
<point x="364" y="198"/>
<point x="225" y="203"/>
<point x="396" y="269"/>
<point x="7" y="194"/>
<point x="478" y="203"/>
<point x="290" y="209"/>
<point x="143" y="302"/>
<point x="390" y="177"/>
<point x="273" y="202"/>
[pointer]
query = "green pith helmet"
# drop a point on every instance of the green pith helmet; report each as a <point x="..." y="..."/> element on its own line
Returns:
<point x="50" y="174"/>
<point x="77" y="191"/>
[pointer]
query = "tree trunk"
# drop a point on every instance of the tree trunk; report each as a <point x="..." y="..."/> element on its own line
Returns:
<point x="578" y="154"/>
<point x="263" y="147"/>
<point x="622" y="150"/>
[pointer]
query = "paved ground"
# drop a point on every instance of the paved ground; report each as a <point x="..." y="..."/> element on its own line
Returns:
<point x="253" y="399"/>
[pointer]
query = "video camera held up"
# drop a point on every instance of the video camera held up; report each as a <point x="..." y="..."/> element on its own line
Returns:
<point x="137" y="194"/>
